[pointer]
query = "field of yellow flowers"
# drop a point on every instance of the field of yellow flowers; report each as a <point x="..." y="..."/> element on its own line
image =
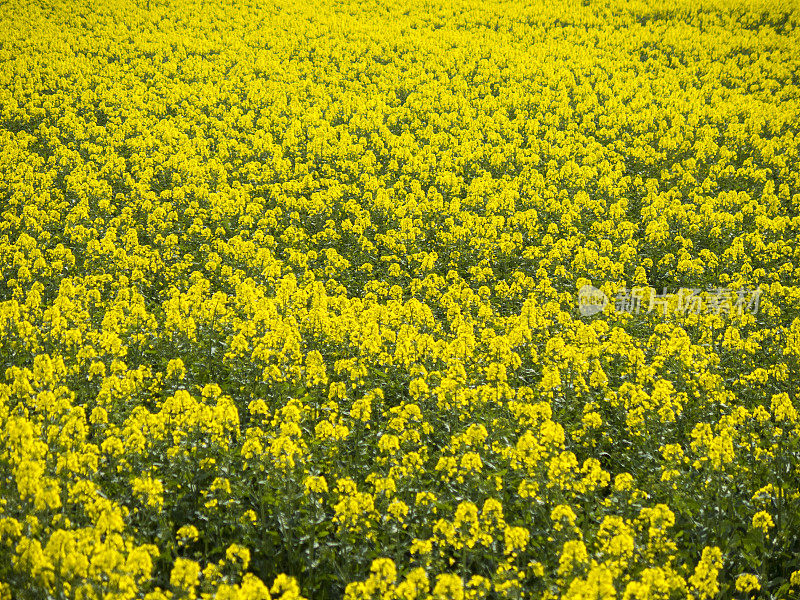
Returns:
<point x="289" y="300"/>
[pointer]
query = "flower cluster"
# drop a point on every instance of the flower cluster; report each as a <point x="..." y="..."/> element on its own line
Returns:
<point x="288" y="300"/>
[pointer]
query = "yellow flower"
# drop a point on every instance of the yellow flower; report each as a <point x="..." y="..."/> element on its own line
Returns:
<point x="185" y="574"/>
<point x="187" y="533"/>
<point x="599" y="583"/>
<point x="176" y="369"/>
<point x="747" y="582"/>
<point x="516" y="539"/>
<point x="316" y="485"/>
<point x="398" y="510"/>
<point x="704" y="582"/>
<point x="235" y="552"/>
<point x="560" y="514"/>
<point x="794" y="579"/>
<point x="448" y="587"/>
<point x="763" y="520"/>
<point x="573" y="556"/>
<point x="150" y="490"/>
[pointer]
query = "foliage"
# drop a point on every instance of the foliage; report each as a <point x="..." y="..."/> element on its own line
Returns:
<point x="288" y="300"/>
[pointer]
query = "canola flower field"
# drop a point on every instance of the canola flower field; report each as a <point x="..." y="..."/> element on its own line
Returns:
<point x="289" y="300"/>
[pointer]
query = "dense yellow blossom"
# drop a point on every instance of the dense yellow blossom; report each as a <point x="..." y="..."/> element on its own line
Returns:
<point x="293" y="299"/>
